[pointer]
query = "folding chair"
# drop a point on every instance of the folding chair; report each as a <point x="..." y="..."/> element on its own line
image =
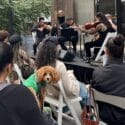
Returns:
<point x="57" y="106"/>
<point x="109" y="35"/>
<point x="110" y="99"/>
<point x="34" y="36"/>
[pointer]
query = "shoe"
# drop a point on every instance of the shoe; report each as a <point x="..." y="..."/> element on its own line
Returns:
<point x="87" y="60"/>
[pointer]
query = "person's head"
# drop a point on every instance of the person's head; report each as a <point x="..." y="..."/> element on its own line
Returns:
<point x="70" y="21"/>
<point x="13" y="77"/>
<point x="115" y="47"/>
<point x="26" y="70"/>
<point x="47" y="53"/>
<point x="41" y="21"/>
<point x="6" y="58"/>
<point x="108" y="16"/>
<point x="103" y="19"/>
<point x="15" y="40"/>
<point x="60" y="13"/>
<point x="3" y="35"/>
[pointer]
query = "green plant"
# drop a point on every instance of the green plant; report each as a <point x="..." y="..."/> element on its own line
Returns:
<point x="21" y="13"/>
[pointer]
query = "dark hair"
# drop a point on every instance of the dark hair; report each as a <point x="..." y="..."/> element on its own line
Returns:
<point x="14" y="39"/>
<point x="3" y="35"/>
<point x="116" y="46"/>
<point x="6" y="55"/>
<point x="26" y="70"/>
<point x="47" y="53"/>
<point x="103" y="19"/>
<point x="13" y="76"/>
<point x="69" y="18"/>
<point x="41" y="18"/>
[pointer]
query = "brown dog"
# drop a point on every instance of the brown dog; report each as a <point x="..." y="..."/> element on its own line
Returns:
<point x="46" y="75"/>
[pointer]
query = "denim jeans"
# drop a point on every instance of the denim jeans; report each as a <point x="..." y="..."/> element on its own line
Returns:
<point x="83" y="94"/>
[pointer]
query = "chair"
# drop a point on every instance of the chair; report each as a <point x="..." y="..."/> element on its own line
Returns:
<point x="34" y="36"/>
<point x="110" y="99"/>
<point x="109" y="35"/>
<point x="57" y="106"/>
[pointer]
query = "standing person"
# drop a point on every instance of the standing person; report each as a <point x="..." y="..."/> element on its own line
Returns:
<point x="17" y="104"/>
<point x="110" y="79"/>
<point x="99" y="31"/>
<point x="41" y="30"/>
<point x="60" y="17"/>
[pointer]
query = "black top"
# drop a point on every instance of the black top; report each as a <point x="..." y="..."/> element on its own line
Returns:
<point x="40" y="34"/>
<point x="61" y="20"/>
<point x="110" y="79"/>
<point x="19" y="107"/>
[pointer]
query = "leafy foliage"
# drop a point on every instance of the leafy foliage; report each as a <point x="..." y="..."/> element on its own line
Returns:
<point x="23" y="12"/>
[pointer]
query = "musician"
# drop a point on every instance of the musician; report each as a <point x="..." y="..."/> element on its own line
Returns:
<point x="60" y="17"/>
<point x="110" y="19"/>
<point x="72" y="36"/>
<point x="41" y="30"/>
<point x="99" y="31"/>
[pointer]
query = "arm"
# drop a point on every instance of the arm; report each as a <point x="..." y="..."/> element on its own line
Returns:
<point x="99" y="27"/>
<point x="69" y="82"/>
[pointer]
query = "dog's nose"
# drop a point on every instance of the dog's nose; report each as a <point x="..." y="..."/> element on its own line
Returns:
<point x="48" y="79"/>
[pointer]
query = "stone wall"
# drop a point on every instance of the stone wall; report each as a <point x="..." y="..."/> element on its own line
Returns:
<point x="84" y="11"/>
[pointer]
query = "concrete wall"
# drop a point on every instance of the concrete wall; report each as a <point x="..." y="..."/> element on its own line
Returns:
<point x="84" y="11"/>
<point x="81" y="10"/>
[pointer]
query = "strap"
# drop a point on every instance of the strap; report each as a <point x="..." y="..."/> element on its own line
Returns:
<point x="92" y="98"/>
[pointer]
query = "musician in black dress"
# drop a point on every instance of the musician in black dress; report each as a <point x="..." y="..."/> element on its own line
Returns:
<point x="99" y="31"/>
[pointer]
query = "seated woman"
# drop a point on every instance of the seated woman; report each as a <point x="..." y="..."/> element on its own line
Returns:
<point x="99" y="31"/>
<point x="48" y="55"/>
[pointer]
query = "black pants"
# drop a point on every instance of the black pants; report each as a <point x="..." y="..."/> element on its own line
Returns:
<point x="90" y="45"/>
<point x="35" y="45"/>
<point x="73" y="39"/>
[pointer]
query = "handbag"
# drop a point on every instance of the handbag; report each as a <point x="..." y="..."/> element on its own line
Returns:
<point x="89" y="114"/>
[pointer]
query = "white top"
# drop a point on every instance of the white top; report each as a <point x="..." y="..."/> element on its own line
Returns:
<point x="70" y="83"/>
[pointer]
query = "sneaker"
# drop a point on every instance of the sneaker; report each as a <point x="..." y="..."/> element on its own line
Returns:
<point x="87" y="60"/>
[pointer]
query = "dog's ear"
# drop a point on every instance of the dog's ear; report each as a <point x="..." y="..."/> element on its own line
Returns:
<point x="40" y="74"/>
<point x="55" y="76"/>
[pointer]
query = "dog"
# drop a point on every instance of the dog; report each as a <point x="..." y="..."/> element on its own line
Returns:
<point x="45" y="75"/>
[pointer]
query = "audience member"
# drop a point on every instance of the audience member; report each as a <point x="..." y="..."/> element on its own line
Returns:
<point x="17" y="104"/>
<point x="3" y="35"/>
<point x="60" y="17"/>
<point x="99" y="31"/>
<point x="20" y="55"/>
<point x="110" y="79"/>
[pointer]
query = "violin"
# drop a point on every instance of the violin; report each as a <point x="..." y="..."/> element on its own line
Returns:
<point x="91" y="25"/>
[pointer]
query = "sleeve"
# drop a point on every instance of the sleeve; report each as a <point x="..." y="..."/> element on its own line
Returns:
<point x="69" y="82"/>
<point x="34" y="28"/>
<point x="28" y="108"/>
<point x="31" y="82"/>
